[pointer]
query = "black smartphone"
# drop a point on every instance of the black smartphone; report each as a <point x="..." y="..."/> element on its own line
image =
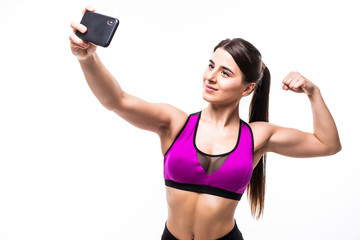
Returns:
<point x="100" y="28"/>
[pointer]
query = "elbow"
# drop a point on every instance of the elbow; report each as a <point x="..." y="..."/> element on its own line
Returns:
<point x="114" y="107"/>
<point x="109" y="106"/>
<point x="338" y="148"/>
<point x="113" y="104"/>
<point x="334" y="149"/>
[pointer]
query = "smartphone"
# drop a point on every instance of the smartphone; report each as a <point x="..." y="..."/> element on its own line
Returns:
<point x="100" y="28"/>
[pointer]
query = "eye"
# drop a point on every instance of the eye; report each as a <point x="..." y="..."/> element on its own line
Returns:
<point x="211" y="66"/>
<point x="225" y="73"/>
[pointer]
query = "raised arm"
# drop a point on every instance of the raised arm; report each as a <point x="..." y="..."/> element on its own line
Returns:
<point x="295" y="143"/>
<point x="155" y="117"/>
<point x="162" y="119"/>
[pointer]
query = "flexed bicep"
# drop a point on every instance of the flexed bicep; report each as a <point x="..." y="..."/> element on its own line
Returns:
<point x="295" y="143"/>
<point x="287" y="141"/>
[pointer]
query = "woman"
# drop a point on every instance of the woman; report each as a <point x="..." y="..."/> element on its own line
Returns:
<point x="212" y="156"/>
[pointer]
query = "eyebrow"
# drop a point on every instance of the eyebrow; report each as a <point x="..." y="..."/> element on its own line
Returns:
<point x="223" y="67"/>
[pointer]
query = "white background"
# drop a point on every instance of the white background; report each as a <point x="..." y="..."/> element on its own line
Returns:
<point x="70" y="169"/>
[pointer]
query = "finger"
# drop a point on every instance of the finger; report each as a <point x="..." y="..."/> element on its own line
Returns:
<point x="78" y="41"/>
<point x="294" y="82"/>
<point x="300" y="83"/>
<point x="285" y="87"/>
<point x="287" y="80"/>
<point x="74" y="46"/>
<point x="88" y="8"/>
<point x="78" y="26"/>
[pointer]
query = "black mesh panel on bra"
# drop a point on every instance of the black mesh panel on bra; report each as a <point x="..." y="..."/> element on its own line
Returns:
<point x="211" y="163"/>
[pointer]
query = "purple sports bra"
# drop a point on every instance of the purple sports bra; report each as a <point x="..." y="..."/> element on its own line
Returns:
<point x="226" y="175"/>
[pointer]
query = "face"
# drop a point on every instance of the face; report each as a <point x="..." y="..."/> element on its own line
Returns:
<point x="223" y="81"/>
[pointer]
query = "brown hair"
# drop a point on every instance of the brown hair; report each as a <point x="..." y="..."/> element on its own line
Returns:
<point x="249" y="60"/>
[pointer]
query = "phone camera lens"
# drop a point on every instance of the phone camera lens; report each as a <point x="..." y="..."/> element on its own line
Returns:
<point x="111" y="22"/>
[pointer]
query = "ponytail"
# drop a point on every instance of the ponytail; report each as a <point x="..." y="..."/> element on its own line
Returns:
<point x="259" y="111"/>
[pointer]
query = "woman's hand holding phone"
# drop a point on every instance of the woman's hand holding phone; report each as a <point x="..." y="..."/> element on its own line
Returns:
<point x="80" y="48"/>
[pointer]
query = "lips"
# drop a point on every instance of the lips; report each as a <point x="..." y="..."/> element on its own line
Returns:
<point x="210" y="88"/>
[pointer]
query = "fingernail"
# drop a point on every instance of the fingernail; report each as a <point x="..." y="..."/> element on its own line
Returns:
<point x="83" y="28"/>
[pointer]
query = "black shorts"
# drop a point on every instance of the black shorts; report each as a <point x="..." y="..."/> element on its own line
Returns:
<point x="234" y="234"/>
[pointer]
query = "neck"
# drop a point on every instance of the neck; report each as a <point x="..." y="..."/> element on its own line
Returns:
<point x="220" y="115"/>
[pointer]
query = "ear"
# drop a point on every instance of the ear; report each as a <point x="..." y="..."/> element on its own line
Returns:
<point x="249" y="89"/>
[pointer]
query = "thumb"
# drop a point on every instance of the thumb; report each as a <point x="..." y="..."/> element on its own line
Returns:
<point x="285" y="87"/>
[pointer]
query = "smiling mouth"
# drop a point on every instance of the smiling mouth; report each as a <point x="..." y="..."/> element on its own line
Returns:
<point x="209" y="88"/>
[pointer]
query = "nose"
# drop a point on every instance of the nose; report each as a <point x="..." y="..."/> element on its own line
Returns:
<point x="211" y="77"/>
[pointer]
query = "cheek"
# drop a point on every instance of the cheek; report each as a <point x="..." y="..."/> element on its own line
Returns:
<point x="230" y="86"/>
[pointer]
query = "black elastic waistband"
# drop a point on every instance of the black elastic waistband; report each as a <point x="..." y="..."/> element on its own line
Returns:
<point x="234" y="234"/>
<point x="204" y="189"/>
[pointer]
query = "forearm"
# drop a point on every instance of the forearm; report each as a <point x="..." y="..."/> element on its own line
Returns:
<point x="101" y="82"/>
<point x="324" y="125"/>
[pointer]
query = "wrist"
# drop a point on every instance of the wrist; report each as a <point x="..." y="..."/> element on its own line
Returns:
<point x="88" y="60"/>
<point x="315" y="93"/>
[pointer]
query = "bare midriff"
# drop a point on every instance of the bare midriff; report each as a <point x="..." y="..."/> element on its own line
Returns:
<point x="199" y="216"/>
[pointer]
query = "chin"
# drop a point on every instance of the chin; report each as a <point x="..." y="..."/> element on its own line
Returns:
<point x="210" y="99"/>
<point x="206" y="97"/>
<point x="217" y="100"/>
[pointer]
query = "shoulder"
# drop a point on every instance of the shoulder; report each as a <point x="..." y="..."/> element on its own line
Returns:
<point x="178" y="119"/>
<point x="176" y="116"/>
<point x="262" y="132"/>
